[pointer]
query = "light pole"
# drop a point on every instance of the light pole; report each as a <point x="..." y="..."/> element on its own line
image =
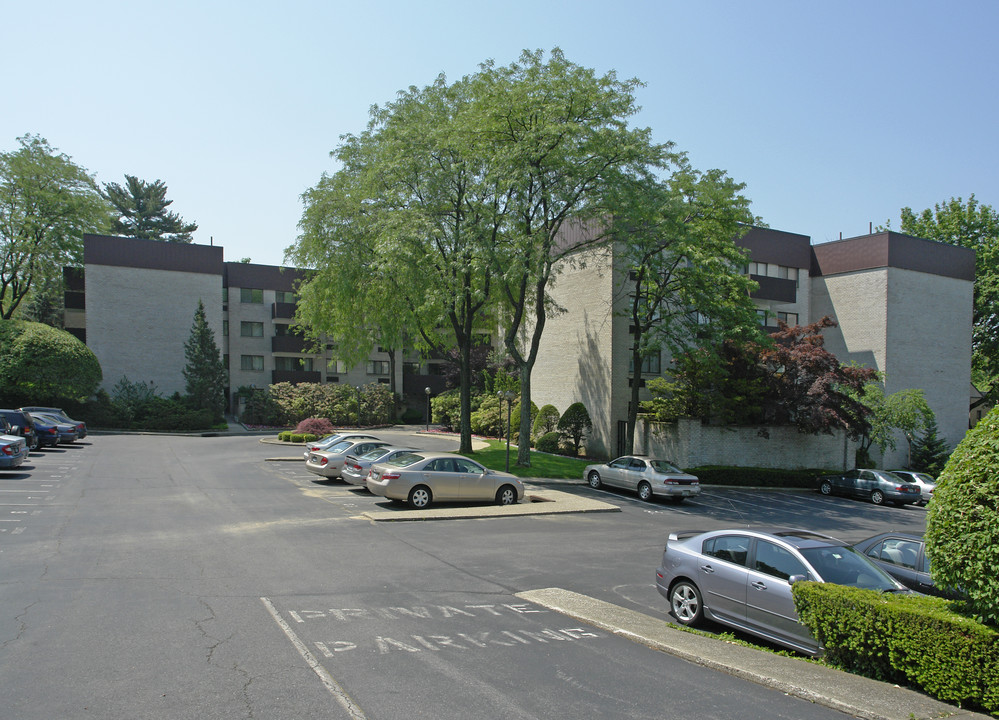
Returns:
<point x="508" y="396"/>
<point x="427" y="391"/>
<point x="358" y="389"/>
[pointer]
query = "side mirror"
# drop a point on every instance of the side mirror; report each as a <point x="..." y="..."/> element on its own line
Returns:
<point x="796" y="578"/>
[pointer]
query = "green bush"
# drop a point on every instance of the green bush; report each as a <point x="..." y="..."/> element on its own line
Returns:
<point x="546" y="421"/>
<point x="574" y="423"/>
<point x="962" y="525"/>
<point x="490" y="418"/>
<point x="906" y="639"/>
<point x="549" y="442"/>
<point x="446" y="409"/>
<point x="756" y="477"/>
<point x="44" y="365"/>
<point x="284" y="436"/>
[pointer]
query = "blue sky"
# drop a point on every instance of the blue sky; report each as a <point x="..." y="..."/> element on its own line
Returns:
<point x="835" y="115"/>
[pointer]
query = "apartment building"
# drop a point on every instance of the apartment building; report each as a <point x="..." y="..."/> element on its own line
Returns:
<point x="903" y="305"/>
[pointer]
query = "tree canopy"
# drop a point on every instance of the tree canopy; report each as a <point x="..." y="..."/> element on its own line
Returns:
<point x="141" y="209"/>
<point x="44" y="365"/>
<point x="976" y="226"/>
<point x="47" y="203"/>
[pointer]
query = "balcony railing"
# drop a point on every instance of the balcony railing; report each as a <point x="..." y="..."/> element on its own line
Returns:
<point x="777" y="289"/>
<point x="283" y="310"/>
<point x="288" y="343"/>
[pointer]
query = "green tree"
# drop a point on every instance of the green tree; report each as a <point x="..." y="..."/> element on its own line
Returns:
<point x="47" y="203"/>
<point x="962" y="525"/>
<point x="546" y="421"/>
<point x="929" y="451"/>
<point x="686" y="283"/>
<point x="205" y="374"/>
<point x="557" y="139"/>
<point x="975" y="226"/>
<point x="142" y="213"/>
<point x="574" y="424"/>
<point x="905" y="411"/>
<point x="44" y="365"/>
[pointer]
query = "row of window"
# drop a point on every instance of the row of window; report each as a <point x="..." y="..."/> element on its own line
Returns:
<point x="256" y="363"/>
<point x="780" y="271"/>
<point x="256" y="295"/>
<point x="764" y="316"/>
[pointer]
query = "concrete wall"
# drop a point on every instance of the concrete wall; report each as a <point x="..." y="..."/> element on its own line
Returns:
<point x="688" y="443"/>
<point x="138" y="320"/>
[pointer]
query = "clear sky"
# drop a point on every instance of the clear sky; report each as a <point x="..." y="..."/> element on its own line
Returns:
<point x="834" y="114"/>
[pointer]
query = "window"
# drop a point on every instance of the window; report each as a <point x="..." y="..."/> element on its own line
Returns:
<point x="337" y="366"/>
<point x="777" y="561"/>
<point x="378" y="367"/>
<point x="761" y="316"/>
<point x="652" y="365"/>
<point x="293" y="364"/>
<point x="283" y="296"/>
<point x="789" y="318"/>
<point x="788" y="273"/>
<point x="730" y="548"/>
<point x="251" y="329"/>
<point x="759" y="268"/>
<point x="225" y="328"/>
<point x="251" y="295"/>
<point x="225" y="295"/>
<point x="251" y="362"/>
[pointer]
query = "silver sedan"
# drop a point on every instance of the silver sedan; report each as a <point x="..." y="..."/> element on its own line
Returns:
<point x="329" y="463"/>
<point x="356" y="466"/>
<point x="422" y="478"/>
<point x="645" y="475"/>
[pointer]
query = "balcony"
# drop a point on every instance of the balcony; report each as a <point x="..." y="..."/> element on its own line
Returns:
<point x="776" y="289"/>
<point x="413" y="385"/>
<point x="282" y="310"/>
<point x="295" y="376"/>
<point x="288" y="343"/>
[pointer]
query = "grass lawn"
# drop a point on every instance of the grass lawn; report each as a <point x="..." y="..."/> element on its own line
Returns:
<point x="542" y="464"/>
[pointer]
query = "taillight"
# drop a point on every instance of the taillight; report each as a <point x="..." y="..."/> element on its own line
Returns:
<point x="8" y="450"/>
<point x="323" y="461"/>
<point x="390" y="476"/>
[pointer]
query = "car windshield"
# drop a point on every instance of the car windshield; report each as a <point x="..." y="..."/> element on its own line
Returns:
<point x="340" y="446"/>
<point x="373" y="454"/>
<point x="404" y="459"/>
<point x="664" y="466"/>
<point x="845" y="566"/>
<point x="925" y="478"/>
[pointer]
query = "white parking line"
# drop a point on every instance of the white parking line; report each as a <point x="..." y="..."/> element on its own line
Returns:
<point x="335" y="689"/>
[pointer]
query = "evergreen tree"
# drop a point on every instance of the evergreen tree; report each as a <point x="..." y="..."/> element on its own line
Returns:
<point x="929" y="452"/>
<point x="142" y="212"/>
<point x="205" y="374"/>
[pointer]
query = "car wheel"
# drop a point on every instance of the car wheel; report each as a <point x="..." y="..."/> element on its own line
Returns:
<point x="877" y="497"/>
<point x="644" y="491"/>
<point x="420" y="497"/>
<point x="594" y="479"/>
<point x="685" y="602"/>
<point x="506" y="495"/>
<point x="825" y="488"/>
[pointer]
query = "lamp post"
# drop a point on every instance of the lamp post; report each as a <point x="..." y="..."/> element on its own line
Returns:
<point x="427" y="391"/>
<point x="508" y="395"/>
<point x="358" y="389"/>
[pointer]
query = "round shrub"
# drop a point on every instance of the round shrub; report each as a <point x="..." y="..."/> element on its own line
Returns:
<point x="549" y="442"/>
<point x="574" y="423"/>
<point x="962" y="525"/>
<point x="546" y="421"/>
<point x="316" y="426"/>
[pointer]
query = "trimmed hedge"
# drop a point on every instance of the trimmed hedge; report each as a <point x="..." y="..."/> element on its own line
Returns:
<point x="756" y="477"/>
<point x="296" y="437"/>
<point x="549" y="442"/>
<point x="905" y="639"/>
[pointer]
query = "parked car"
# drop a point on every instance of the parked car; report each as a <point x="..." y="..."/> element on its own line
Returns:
<point x="326" y="442"/>
<point x="356" y="466"/>
<point x="47" y="431"/>
<point x="21" y="424"/>
<point x="328" y="463"/>
<point x="66" y="431"/>
<point x="58" y="414"/>
<point x="879" y="486"/>
<point x="742" y="578"/>
<point x="904" y="557"/>
<point x="927" y="484"/>
<point x="13" y="451"/>
<point x="422" y="478"/>
<point x="647" y="476"/>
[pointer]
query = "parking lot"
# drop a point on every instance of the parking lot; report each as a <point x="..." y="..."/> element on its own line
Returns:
<point x="192" y="577"/>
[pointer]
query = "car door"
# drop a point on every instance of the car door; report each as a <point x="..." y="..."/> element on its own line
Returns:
<point x="722" y="576"/>
<point x="615" y="472"/>
<point x="638" y="470"/>
<point x="846" y="483"/>
<point x="769" y="604"/>
<point x="474" y="482"/>
<point x="441" y="476"/>
<point x="866" y="482"/>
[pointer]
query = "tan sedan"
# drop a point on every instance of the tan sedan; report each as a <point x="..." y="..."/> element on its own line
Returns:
<point x="422" y="478"/>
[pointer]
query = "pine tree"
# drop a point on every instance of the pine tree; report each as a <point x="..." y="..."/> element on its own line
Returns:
<point x="142" y="212"/>
<point x="205" y="374"/>
<point x="929" y="452"/>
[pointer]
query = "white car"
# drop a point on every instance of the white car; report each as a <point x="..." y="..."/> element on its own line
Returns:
<point x="356" y="466"/>
<point x="329" y="463"/>
<point x="326" y="442"/>
<point x="925" y="482"/>
<point x="422" y="478"/>
<point x="647" y="476"/>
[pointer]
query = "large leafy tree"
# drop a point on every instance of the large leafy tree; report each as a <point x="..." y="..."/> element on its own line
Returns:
<point x="142" y="213"/>
<point x="44" y="365"/>
<point x="685" y="281"/>
<point x="205" y="374"/>
<point x="976" y="226"/>
<point x="905" y="411"/>
<point x="47" y="203"/>
<point x="556" y="135"/>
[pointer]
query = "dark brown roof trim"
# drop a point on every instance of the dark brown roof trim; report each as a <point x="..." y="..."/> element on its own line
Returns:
<point x="891" y="249"/>
<point x="151" y="254"/>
